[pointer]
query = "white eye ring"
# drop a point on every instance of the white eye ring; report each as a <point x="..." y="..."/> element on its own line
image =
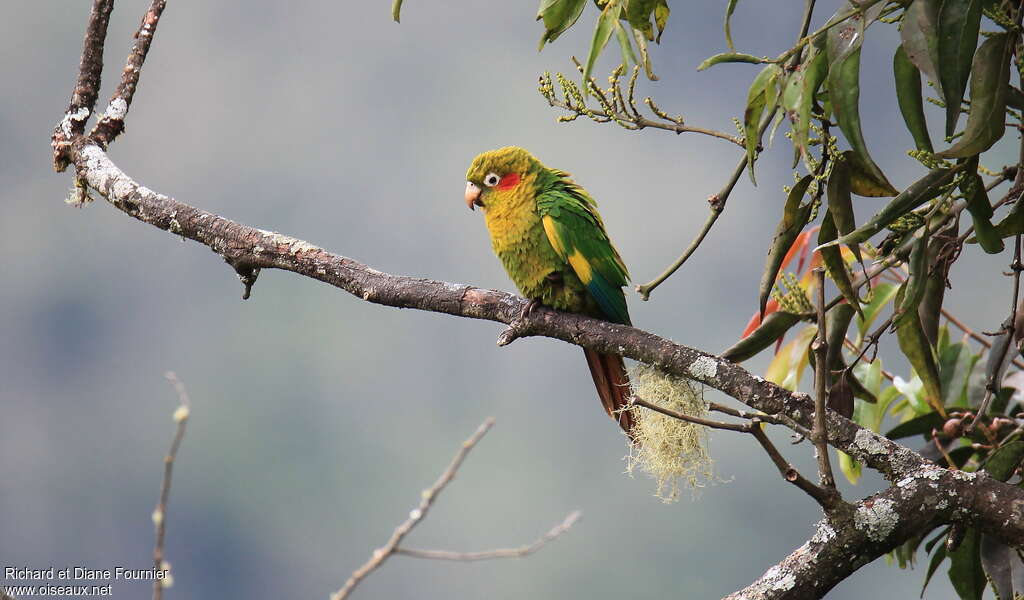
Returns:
<point x="491" y="179"/>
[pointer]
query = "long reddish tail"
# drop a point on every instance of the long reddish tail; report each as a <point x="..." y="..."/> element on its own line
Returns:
<point x="612" y="384"/>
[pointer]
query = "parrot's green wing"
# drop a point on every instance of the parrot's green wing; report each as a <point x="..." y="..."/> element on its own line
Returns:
<point x="577" y="234"/>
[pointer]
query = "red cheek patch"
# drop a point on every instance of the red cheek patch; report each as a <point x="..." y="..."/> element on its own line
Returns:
<point x="509" y="181"/>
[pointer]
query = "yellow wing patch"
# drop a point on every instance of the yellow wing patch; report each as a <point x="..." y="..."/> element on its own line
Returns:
<point x="581" y="266"/>
<point x="550" y="229"/>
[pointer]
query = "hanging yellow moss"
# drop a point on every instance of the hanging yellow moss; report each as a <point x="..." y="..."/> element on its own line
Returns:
<point x="669" y="450"/>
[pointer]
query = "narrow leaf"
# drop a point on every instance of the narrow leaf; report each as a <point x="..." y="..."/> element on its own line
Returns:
<point x="730" y="57"/>
<point x="915" y="347"/>
<point x="761" y="90"/>
<point x="918" y="193"/>
<point x="729" y="9"/>
<point x="989" y="81"/>
<point x="1004" y="568"/>
<point x="843" y="45"/>
<point x="834" y="263"/>
<point x="396" y="10"/>
<point x="840" y="202"/>
<point x="959" y="22"/>
<point x="920" y="39"/>
<point x="908" y="95"/>
<point x="767" y="333"/>
<point x="606" y="23"/>
<point x="980" y="208"/>
<point x="1004" y="461"/>
<point x="965" y="571"/>
<point x="794" y="217"/>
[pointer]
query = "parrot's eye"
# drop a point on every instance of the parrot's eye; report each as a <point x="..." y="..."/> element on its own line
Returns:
<point x="491" y="179"/>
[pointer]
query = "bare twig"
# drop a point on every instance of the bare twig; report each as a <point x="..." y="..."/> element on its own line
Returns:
<point x="717" y="204"/>
<point x="181" y="415"/>
<point x="87" y="88"/>
<point x="819" y="431"/>
<point x="974" y="335"/>
<point x="519" y="552"/>
<point x="741" y="427"/>
<point x="111" y="124"/>
<point x="825" y="497"/>
<point x="415" y="516"/>
<point x="996" y="362"/>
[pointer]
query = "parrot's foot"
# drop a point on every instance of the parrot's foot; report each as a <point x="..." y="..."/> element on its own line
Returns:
<point x="517" y="327"/>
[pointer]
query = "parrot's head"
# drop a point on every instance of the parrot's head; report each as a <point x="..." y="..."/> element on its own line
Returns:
<point x="496" y="174"/>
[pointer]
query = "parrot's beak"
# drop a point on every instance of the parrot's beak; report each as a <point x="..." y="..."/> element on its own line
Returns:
<point x="472" y="195"/>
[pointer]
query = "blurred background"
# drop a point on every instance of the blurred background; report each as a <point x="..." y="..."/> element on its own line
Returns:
<point x="318" y="418"/>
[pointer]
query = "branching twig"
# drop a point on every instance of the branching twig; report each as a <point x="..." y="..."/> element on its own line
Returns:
<point x="415" y="516"/>
<point x="617" y="106"/>
<point x="519" y="552"/>
<point x="181" y="415"/>
<point x="87" y="88"/>
<point x="996" y="362"/>
<point x="824" y="497"/>
<point x="420" y="512"/>
<point x="717" y="204"/>
<point x="111" y="124"/>
<point x="740" y="427"/>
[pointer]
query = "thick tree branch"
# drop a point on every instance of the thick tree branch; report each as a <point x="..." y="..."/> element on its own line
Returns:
<point x="851" y="538"/>
<point x="995" y="507"/>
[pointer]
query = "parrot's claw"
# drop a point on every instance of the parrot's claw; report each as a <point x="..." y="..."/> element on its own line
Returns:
<point x="517" y="327"/>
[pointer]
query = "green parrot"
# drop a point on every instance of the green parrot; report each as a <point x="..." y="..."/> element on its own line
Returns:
<point x="546" y="230"/>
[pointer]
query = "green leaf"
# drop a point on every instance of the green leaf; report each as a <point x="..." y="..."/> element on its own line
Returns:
<point x="914" y="287"/>
<point x="771" y="329"/>
<point x="840" y="203"/>
<point x="645" y="57"/>
<point x="794" y="217"/>
<point x="729" y="9"/>
<point x="916" y="348"/>
<point x="730" y="57"/>
<point x="606" y="24"/>
<point x="624" y="45"/>
<point x="933" y="565"/>
<point x="638" y="14"/>
<point x="661" y="12"/>
<point x="762" y="90"/>
<point x="834" y="263"/>
<point x="1013" y="222"/>
<point x="986" y="121"/>
<point x="959" y="22"/>
<point x="798" y="99"/>
<point x="920" y="39"/>
<point x="849" y="467"/>
<point x="965" y="571"/>
<point x="558" y="15"/>
<point x="908" y="95"/>
<point x="881" y="294"/>
<point x="980" y="208"/>
<point x="843" y="45"/>
<point x="918" y="193"/>
<point x="1004" y="568"/>
<point x="1004" y="461"/>
<point x="396" y="10"/>
<point x="955" y="364"/>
